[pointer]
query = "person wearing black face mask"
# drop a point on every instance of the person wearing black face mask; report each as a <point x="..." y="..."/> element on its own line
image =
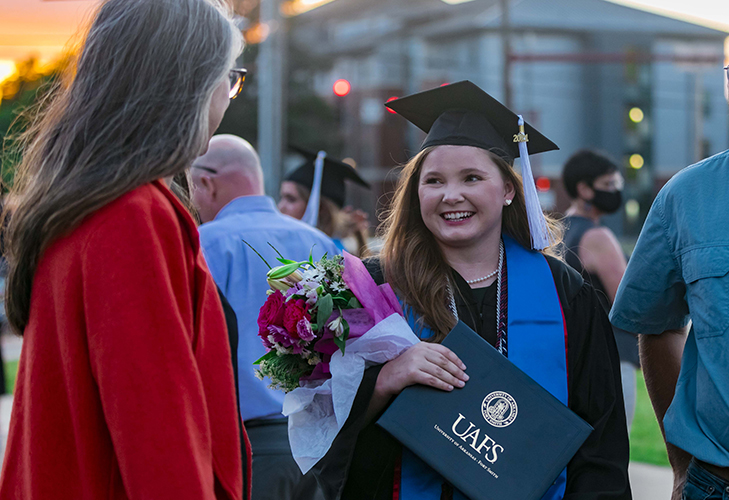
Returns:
<point x="607" y="202"/>
<point x="595" y="185"/>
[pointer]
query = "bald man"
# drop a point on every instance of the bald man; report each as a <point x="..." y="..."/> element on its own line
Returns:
<point x="229" y="196"/>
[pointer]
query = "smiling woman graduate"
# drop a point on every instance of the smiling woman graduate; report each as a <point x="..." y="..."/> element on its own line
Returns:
<point x="466" y="240"/>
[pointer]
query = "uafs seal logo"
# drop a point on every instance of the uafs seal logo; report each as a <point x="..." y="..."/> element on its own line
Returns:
<point x="499" y="409"/>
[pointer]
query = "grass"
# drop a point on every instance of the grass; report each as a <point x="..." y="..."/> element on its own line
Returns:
<point x="646" y="441"/>
<point x="11" y="370"/>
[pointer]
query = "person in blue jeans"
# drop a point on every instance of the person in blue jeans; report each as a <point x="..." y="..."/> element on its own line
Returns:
<point x="704" y="485"/>
<point x="675" y="294"/>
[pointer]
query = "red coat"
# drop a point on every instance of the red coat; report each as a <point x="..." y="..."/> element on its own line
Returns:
<point x="125" y="387"/>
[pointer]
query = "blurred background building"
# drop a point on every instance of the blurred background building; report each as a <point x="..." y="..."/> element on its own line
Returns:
<point x="646" y="89"/>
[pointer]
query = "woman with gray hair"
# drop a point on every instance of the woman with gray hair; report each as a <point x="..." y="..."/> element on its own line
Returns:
<point x="123" y="389"/>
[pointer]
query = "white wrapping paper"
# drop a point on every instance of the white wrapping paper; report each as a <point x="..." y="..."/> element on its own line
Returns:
<point x="318" y="411"/>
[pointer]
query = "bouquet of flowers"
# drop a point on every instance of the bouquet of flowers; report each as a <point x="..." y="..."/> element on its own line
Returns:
<point x="323" y="324"/>
<point x="311" y="311"/>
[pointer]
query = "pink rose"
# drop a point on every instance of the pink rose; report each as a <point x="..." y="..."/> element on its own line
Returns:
<point x="272" y="312"/>
<point x="296" y="310"/>
<point x="303" y="329"/>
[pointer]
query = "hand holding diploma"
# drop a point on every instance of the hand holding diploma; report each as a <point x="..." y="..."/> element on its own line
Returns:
<point x="424" y="363"/>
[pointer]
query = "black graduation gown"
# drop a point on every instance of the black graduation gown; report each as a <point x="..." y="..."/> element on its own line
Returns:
<point x="361" y="462"/>
<point x="231" y="321"/>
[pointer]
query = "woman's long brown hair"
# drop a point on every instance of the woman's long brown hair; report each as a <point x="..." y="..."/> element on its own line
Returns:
<point x="136" y="110"/>
<point x="411" y="259"/>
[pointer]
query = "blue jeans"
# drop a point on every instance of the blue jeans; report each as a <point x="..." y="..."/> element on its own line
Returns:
<point x="703" y="485"/>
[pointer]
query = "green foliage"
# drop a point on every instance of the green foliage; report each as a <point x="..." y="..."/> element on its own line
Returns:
<point x="344" y="300"/>
<point x="325" y="307"/>
<point x="256" y="252"/>
<point x="11" y="373"/>
<point x="284" y="370"/>
<point x="281" y="272"/>
<point x="266" y="357"/>
<point x="20" y="95"/>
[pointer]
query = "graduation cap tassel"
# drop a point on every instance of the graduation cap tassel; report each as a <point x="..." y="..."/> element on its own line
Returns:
<point x="541" y="235"/>
<point x="311" y="215"/>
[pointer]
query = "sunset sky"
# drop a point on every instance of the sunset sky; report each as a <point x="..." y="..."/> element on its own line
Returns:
<point x="43" y="28"/>
<point x="35" y="27"/>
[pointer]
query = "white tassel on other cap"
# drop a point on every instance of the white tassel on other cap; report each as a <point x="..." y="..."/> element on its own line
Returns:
<point x="542" y="237"/>
<point x="311" y="215"/>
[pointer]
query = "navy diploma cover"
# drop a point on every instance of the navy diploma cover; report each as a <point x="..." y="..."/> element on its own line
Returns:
<point x="501" y="437"/>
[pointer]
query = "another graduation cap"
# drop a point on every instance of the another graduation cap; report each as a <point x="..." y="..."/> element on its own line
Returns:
<point x="333" y="177"/>
<point x="461" y="114"/>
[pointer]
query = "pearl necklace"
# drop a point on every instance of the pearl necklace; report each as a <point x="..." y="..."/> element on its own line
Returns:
<point x="452" y="299"/>
<point x="501" y="260"/>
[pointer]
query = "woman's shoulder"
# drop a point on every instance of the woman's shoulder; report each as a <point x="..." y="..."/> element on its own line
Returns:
<point x="600" y="239"/>
<point x="374" y="267"/>
<point x="148" y="198"/>
<point x="144" y="215"/>
<point x="147" y="205"/>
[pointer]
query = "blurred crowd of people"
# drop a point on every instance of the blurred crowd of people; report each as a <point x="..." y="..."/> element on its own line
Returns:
<point x="136" y="248"/>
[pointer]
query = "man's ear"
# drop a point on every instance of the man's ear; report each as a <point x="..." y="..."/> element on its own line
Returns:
<point x="208" y="185"/>
<point x="584" y="191"/>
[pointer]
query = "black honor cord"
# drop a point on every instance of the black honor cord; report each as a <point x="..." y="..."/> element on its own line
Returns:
<point x="446" y="491"/>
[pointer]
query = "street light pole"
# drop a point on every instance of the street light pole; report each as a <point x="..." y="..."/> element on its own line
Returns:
<point x="506" y="51"/>
<point x="271" y="95"/>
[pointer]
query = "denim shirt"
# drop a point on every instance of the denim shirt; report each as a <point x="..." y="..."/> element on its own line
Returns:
<point x="678" y="272"/>
<point x="241" y="275"/>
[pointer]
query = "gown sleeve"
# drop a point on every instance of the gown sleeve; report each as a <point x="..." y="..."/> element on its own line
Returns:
<point x="361" y="461"/>
<point x="600" y="467"/>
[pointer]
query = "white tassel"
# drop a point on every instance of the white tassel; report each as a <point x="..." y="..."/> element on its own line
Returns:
<point x="311" y="215"/>
<point x="542" y="237"/>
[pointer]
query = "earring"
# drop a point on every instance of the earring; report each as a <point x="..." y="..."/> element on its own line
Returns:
<point x="507" y="202"/>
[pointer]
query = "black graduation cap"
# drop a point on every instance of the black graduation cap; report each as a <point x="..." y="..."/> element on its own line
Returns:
<point x="461" y="114"/>
<point x="333" y="177"/>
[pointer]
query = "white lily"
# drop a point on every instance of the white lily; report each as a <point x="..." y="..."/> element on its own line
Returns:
<point x="337" y="326"/>
<point x="285" y="283"/>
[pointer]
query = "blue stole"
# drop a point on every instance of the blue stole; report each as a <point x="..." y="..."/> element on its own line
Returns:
<point x="537" y="344"/>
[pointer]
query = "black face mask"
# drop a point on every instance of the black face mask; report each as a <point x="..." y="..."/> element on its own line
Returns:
<point x="607" y="201"/>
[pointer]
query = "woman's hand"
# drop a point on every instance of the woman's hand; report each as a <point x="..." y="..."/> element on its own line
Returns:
<point x="424" y="363"/>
